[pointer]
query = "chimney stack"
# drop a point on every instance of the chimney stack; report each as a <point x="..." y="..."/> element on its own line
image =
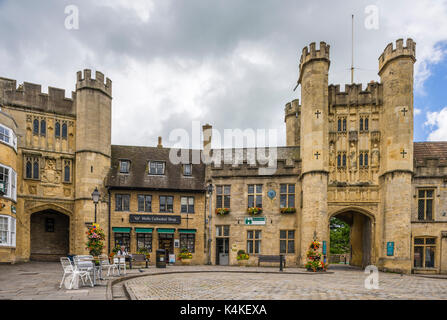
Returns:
<point x="159" y="143"/>
<point x="207" y="135"/>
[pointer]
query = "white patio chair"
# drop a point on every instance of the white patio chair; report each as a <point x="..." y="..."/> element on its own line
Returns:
<point x="120" y="261"/>
<point x="105" y="264"/>
<point x="84" y="264"/>
<point x="69" y="269"/>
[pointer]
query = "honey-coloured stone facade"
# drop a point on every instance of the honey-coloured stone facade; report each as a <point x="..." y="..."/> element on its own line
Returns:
<point x="349" y="154"/>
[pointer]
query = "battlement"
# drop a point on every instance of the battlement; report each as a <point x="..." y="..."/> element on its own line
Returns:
<point x="84" y="80"/>
<point x="311" y="54"/>
<point x="355" y="95"/>
<point x="30" y="95"/>
<point x="390" y="53"/>
<point x="292" y="108"/>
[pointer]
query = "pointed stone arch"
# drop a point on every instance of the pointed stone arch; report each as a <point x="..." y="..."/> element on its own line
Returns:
<point x="50" y="228"/>
<point x="362" y="222"/>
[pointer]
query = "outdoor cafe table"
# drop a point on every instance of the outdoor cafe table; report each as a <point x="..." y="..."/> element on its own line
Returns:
<point x="95" y="269"/>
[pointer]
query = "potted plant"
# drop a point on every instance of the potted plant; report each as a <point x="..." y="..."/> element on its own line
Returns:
<point x="95" y="241"/>
<point x="287" y="210"/>
<point x="185" y="256"/>
<point x="314" y="263"/>
<point x="145" y="252"/>
<point x="254" y="211"/>
<point x="242" y="258"/>
<point x="222" y="211"/>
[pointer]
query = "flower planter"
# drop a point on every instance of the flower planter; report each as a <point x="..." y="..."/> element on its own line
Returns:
<point x="222" y="211"/>
<point x="185" y="262"/>
<point x="242" y="263"/>
<point x="254" y="211"/>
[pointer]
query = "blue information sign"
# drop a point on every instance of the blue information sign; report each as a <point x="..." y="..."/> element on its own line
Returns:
<point x="390" y="248"/>
<point x="324" y="247"/>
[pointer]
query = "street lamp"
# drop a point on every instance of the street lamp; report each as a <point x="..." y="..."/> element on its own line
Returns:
<point x="95" y="197"/>
<point x="210" y="192"/>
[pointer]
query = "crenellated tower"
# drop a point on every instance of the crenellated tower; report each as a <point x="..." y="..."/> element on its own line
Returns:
<point x="292" y="119"/>
<point x="396" y="163"/>
<point x="93" y="149"/>
<point x="314" y="68"/>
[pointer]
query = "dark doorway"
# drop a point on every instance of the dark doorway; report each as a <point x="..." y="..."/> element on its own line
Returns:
<point x="166" y="241"/>
<point x="222" y="251"/>
<point x="50" y="233"/>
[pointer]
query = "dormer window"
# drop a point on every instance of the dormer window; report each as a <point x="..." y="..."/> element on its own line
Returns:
<point x="124" y="166"/>
<point x="187" y="169"/>
<point x="156" y="167"/>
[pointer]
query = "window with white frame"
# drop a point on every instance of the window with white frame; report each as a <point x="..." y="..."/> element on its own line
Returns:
<point x="156" y="167"/>
<point x="7" y="231"/>
<point x="8" y="136"/>
<point x="8" y="182"/>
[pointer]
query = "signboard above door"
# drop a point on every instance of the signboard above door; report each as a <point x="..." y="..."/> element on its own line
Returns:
<point x="151" y="218"/>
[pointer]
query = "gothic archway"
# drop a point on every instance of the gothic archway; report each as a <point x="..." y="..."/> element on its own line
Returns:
<point x="49" y="234"/>
<point x="361" y="235"/>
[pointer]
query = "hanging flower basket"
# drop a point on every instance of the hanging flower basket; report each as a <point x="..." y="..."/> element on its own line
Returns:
<point x="95" y="240"/>
<point x="222" y="211"/>
<point x="254" y="211"/>
<point x="288" y="210"/>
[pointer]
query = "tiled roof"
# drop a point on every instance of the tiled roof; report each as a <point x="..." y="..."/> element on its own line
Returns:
<point x="173" y="179"/>
<point x="430" y="150"/>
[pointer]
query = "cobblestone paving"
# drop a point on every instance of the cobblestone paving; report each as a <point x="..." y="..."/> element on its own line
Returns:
<point x="342" y="284"/>
<point x="40" y="281"/>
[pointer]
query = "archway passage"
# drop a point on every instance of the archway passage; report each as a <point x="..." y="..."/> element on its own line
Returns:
<point x="358" y="248"/>
<point x="49" y="235"/>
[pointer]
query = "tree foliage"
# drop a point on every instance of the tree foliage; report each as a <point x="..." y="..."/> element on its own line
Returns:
<point x="340" y="232"/>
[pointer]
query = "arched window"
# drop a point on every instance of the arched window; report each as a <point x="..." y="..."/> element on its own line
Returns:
<point x="64" y="130"/>
<point x="29" y="170"/>
<point x="361" y="159"/>
<point x="339" y="160"/>
<point x="36" y="126"/>
<point x="57" y="131"/>
<point x="344" y="124"/>
<point x="366" y="159"/>
<point x="344" y="160"/>
<point x="67" y="173"/>
<point x="43" y="127"/>
<point x="366" y="124"/>
<point x="36" y="170"/>
<point x="361" y="124"/>
<point x="339" y="124"/>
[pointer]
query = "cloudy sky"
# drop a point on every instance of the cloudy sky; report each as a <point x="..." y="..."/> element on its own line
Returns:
<point x="231" y="63"/>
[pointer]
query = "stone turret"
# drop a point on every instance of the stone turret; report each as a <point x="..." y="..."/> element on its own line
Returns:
<point x="292" y="119"/>
<point x="396" y="165"/>
<point x="93" y="147"/>
<point x="314" y="68"/>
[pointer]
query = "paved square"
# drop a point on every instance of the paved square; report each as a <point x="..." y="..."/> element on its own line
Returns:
<point x="40" y="281"/>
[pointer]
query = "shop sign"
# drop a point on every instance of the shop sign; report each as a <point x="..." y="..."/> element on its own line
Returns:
<point x="151" y="218"/>
<point x="255" y="220"/>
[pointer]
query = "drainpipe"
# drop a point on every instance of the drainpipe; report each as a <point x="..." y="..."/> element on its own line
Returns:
<point x="110" y="229"/>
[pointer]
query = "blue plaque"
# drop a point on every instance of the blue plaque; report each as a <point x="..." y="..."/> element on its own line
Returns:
<point x="390" y="248"/>
<point x="271" y="194"/>
<point x="324" y="247"/>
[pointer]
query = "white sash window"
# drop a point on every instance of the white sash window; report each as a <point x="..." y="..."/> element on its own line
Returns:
<point x="7" y="231"/>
